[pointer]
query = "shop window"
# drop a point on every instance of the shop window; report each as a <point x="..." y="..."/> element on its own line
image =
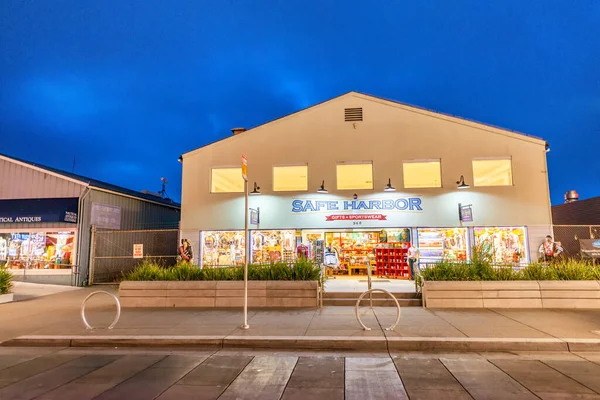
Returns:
<point x="492" y="172"/>
<point x="436" y="244"/>
<point x="503" y="245"/>
<point x="226" y="180"/>
<point x="355" y="176"/>
<point x="290" y="178"/>
<point x="422" y="174"/>
<point x="223" y="248"/>
<point x="37" y="250"/>
<point x="273" y="246"/>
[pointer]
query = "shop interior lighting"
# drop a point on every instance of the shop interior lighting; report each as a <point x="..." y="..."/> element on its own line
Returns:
<point x="256" y="190"/>
<point x="461" y="183"/>
<point x="389" y="187"/>
<point x="322" y="189"/>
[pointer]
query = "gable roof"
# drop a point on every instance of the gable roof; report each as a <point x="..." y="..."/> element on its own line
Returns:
<point x="93" y="183"/>
<point x="406" y="106"/>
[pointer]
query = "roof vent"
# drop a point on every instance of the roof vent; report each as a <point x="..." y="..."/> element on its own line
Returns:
<point x="353" y="114"/>
<point x="237" y="131"/>
<point x="571" y="196"/>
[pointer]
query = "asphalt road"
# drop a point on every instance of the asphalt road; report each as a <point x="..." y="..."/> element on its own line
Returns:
<point x="55" y="373"/>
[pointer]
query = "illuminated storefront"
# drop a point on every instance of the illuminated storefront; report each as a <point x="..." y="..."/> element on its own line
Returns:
<point x="37" y="250"/>
<point x="321" y="188"/>
<point x="50" y="248"/>
<point x="356" y="248"/>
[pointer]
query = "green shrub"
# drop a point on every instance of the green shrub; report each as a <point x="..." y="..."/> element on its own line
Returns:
<point x="6" y="279"/>
<point x="150" y="270"/>
<point x="480" y="269"/>
<point x="538" y="272"/>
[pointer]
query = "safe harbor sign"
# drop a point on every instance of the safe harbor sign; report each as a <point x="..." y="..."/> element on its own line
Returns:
<point x="357" y="210"/>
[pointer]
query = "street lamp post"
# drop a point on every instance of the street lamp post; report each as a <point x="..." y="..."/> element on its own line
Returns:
<point x="245" y="176"/>
<point x="246" y="326"/>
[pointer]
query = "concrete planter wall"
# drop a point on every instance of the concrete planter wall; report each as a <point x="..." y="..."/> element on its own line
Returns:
<point x="221" y="294"/>
<point x="6" y="298"/>
<point x="512" y="294"/>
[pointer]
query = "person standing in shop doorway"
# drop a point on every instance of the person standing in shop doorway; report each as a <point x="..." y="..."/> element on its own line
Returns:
<point x="549" y="250"/>
<point x="413" y="261"/>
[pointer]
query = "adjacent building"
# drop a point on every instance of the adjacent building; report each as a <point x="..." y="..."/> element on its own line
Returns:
<point x="358" y="171"/>
<point x="46" y="218"/>
<point x="577" y="225"/>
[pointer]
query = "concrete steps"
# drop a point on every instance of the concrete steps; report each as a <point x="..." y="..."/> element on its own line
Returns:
<point x="379" y="299"/>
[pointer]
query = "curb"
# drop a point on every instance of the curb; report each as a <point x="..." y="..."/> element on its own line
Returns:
<point x="315" y="343"/>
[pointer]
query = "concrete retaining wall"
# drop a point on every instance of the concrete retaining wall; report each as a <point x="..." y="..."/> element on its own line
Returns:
<point x="221" y="294"/>
<point x="512" y="294"/>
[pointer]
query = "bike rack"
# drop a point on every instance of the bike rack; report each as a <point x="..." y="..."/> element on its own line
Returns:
<point x="112" y="325"/>
<point x="370" y="291"/>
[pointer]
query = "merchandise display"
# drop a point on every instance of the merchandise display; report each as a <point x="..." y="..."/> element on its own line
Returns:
<point x="273" y="246"/>
<point x="391" y="261"/>
<point x="315" y="243"/>
<point x="397" y="235"/>
<point x="503" y="244"/>
<point x="437" y="244"/>
<point x="38" y="250"/>
<point x="356" y="249"/>
<point x="222" y="248"/>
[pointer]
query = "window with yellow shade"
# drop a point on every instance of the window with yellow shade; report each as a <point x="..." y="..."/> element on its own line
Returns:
<point x="422" y="174"/>
<point x="496" y="172"/>
<point x="226" y="180"/>
<point x="290" y="178"/>
<point x="355" y="176"/>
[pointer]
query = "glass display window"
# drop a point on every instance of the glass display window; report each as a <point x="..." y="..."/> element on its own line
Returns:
<point x="356" y="249"/>
<point x="313" y="245"/>
<point x="274" y="246"/>
<point x="436" y="244"/>
<point x="502" y="244"/>
<point x="223" y="248"/>
<point x="37" y="250"/>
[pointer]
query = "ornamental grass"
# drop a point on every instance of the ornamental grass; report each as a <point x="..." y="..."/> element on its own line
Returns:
<point x="150" y="270"/>
<point x="6" y="281"/>
<point x="481" y="268"/>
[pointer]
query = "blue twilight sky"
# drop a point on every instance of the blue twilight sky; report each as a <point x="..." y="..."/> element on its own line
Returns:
<point x="129" y="85"/>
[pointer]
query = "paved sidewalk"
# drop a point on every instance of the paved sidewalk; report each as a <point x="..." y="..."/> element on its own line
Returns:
<point x="80" y="374"/>
<point x="27" y="290"/>
<point x="58" y="316"/>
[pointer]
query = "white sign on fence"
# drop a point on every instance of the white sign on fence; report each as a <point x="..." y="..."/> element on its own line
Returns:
<point x="138" y="251"/>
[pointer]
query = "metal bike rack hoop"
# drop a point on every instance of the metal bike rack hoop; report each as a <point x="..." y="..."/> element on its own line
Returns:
<point x="391" y="328"/>
<point x="112" y="325"/>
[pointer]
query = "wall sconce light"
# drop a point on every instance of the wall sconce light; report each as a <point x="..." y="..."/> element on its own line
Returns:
<point x="389" y="187"/>
<point x="461" y="183"/>
<point x="322" y="189"/>
<point x="256" y="190"/>
<point x="355" y="196"/>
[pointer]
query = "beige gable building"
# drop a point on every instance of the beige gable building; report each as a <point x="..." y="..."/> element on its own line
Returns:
<point x="355" y="146"/>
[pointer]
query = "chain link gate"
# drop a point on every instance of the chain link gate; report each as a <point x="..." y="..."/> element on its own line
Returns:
<point x="112" y="251"/>
<point x="569" y="235"/>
